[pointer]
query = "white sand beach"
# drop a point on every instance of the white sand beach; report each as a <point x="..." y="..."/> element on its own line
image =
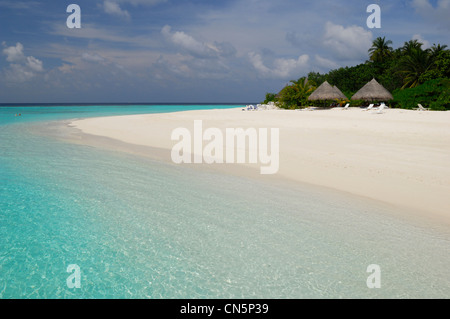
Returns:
<point x="400" y="157"/>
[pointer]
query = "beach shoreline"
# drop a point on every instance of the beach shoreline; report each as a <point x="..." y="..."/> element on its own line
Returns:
<point x="399" y="157"/>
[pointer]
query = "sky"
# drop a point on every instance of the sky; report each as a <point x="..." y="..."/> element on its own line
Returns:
<point x="193" y="51"/>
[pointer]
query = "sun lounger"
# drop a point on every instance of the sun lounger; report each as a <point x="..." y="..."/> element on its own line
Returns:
<point x="421" y="108"/>
<point x="250" y="108"/>
<point x="380" y="109"/>
<point x="369" y="108"/>
<point x="346" y="106"/>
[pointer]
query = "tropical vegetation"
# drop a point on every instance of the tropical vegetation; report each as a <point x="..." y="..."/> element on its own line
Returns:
<point x="411" y="73"/>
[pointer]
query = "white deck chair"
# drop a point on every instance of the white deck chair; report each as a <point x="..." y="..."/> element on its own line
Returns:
<point x="369" y="108"/>
<point x="382" y="105"/>
<point x="380" y="109"/>
<point x="346" y="106"/>
<point x="421" y="108"/>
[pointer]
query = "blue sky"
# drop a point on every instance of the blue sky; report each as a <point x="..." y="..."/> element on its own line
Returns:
<point x="193" y="51"/>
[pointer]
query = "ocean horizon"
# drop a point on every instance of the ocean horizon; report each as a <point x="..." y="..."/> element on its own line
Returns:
<point x="139" y="228"/>
<point x="122" y="104"/>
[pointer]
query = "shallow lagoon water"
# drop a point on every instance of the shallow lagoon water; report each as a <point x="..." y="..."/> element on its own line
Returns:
<point x="139" y="228"/>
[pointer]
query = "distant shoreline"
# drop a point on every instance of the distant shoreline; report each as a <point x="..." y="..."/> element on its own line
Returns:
<point x="112" y="104"/>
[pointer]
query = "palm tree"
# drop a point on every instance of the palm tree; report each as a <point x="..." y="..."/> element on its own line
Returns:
<point x="436" y="49"/>
<point x="304" y="89"/>
<point x="380" y="49"/>
<point x="297" y="93"/>
<point x="413" y="65"/>
<point x="411" y="45"/>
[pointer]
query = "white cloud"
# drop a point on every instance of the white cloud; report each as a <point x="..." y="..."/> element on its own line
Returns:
<point x="18" y="73"/>
<point x="14" y="53"/>
<point x="282" y="68"/>
<point x="186" y="41"/>
<point x="66" y="68"/>
<point x="258" y="63"/>
<point x="21" y="68"/>
<point x="418" y="37"/>
<point x="92" y="57"/>
<point x="196" y="48"/>
<point x="351" y="43"/>
<point x="34" y="64"/>
<point x="113" y="8"/>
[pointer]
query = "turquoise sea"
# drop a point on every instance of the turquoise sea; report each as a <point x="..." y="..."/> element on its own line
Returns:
<point x="139" y="228"/>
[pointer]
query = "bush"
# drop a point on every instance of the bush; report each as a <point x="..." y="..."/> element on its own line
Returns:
<point x="270" y="97"/>
<point x="296" y="94"/>
<point x="433" y="94"/>
<point x="442" y="103"/>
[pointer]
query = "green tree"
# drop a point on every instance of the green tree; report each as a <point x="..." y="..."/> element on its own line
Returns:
<point x="440" y="69"/>
<point x="296" y="95"/>
<point x="414" y="65"/>
<point x="350" y="80"/>
<point x="442" y="64"/>
<point x="380" y="49"/>
<point x="410" y="46"/>
<point x="437" y="49"/>
<point x="270" y="97"/>
<point x="434" y="94"/>
<point x="316" y="78"/>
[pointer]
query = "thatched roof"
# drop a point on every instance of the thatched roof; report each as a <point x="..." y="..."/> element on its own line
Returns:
<point x="324" y="92"/>
<point x="373" y="91"/>
<point x="340" y="93"/>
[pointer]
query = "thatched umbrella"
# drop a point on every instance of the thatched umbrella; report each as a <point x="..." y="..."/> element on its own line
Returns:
<point x="325" y="92"/>
<point x="342" y="95"/>
<point x="373" y="91"/>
